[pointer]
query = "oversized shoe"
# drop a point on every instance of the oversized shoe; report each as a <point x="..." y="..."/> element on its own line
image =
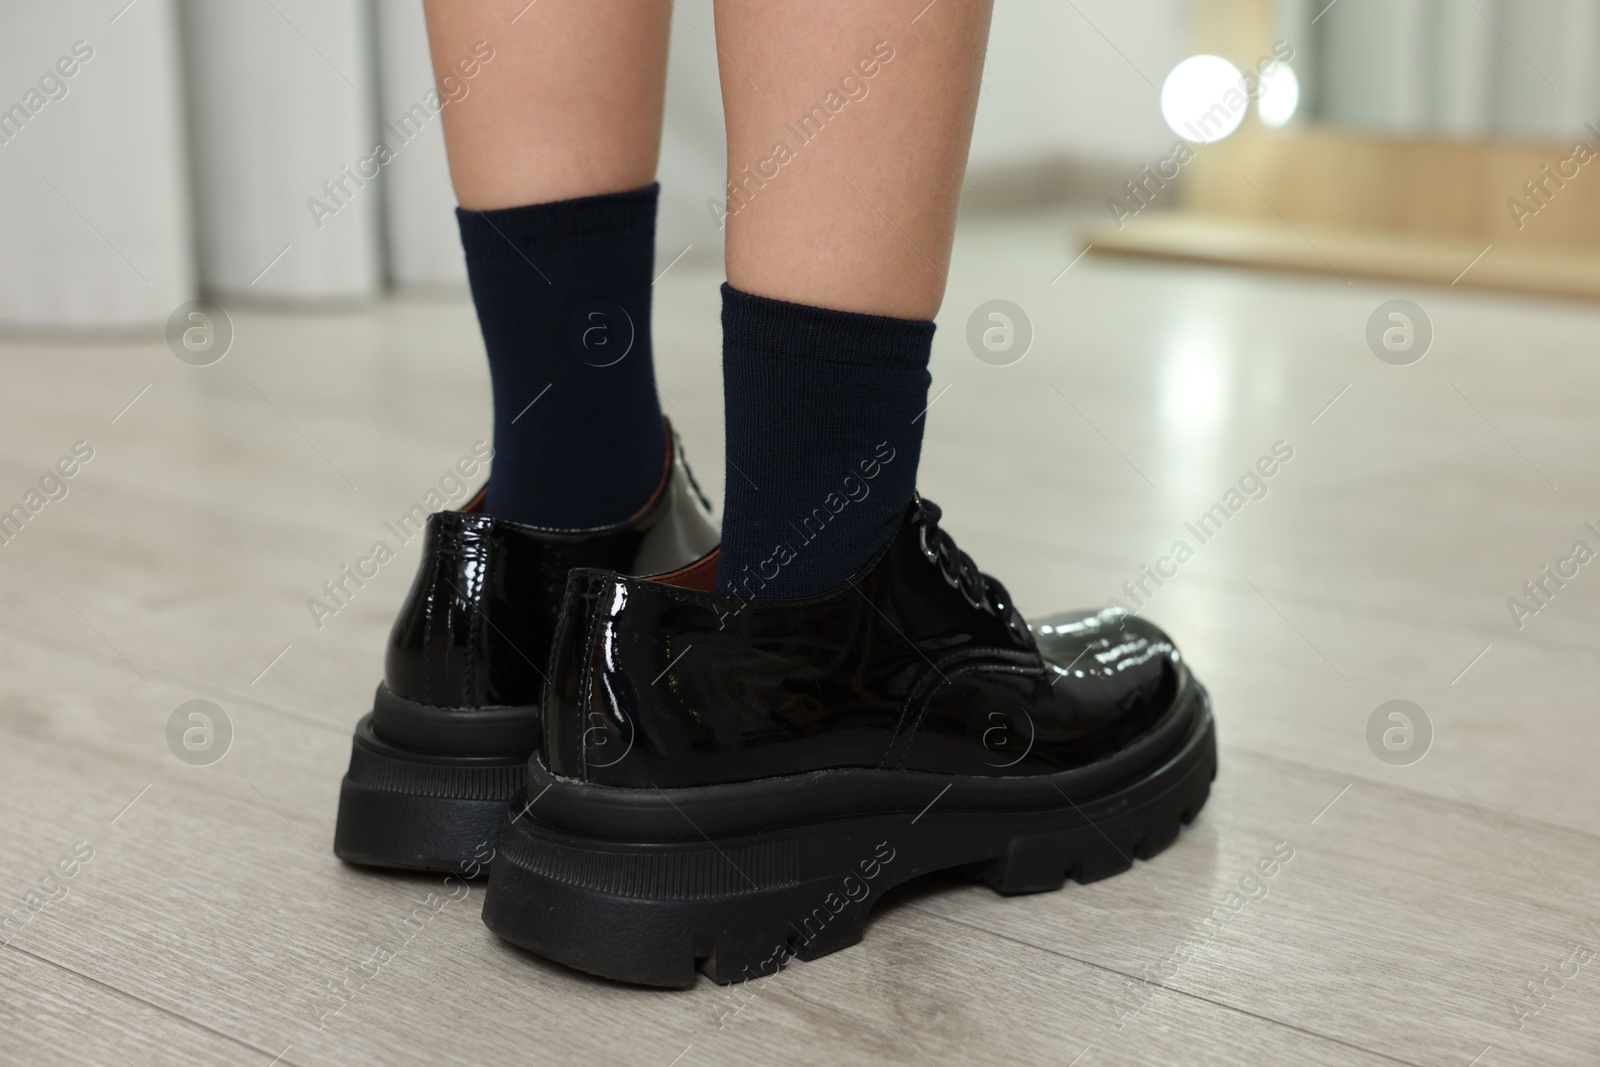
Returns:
<point x="435" y="764"/>
<point x="728" y="783"/>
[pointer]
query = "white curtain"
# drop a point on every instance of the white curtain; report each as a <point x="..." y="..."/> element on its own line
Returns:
<point x="281" y="107"/>
<point x="228" y="146"/>
<point x="94" y="205"/>
<point x="424" y="244"/>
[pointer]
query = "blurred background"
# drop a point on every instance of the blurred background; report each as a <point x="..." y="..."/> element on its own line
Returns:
<point x="1194" y="233"/>
<point x="228" y="148"/>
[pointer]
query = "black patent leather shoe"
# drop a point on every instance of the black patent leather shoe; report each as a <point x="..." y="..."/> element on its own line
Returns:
<point x="732" y="783"/>
<point x="435" y="764"/>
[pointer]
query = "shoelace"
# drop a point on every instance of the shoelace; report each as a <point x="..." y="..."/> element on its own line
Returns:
<point x="958" y="570"/>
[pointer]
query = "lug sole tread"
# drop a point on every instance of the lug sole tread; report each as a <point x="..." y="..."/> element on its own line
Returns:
<point x="422" y="815"/>
<point x="689" y="908"/>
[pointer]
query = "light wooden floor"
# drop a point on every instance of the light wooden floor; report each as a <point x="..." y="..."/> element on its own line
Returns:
<point x="1419" y="903"/>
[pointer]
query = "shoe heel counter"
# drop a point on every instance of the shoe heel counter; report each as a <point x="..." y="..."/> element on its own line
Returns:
<point x="438" y="649"/>
<point x="569" y="690"/>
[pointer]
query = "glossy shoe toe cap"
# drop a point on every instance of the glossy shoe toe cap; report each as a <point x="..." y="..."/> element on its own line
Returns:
<point x="1110" y="656"/>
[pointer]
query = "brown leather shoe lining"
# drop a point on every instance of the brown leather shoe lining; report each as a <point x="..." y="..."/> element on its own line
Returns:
<point x="701" y="575"/>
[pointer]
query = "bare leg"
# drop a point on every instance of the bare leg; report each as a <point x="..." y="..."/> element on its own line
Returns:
<point x="570" y="105"/>
<point x="860" y="217"/>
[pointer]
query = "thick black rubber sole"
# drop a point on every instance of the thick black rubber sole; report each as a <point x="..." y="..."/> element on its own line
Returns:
<point x="738" y="907"/>
<point x="422" y="812"/>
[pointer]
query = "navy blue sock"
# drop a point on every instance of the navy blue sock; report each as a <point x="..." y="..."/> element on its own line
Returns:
<point x="823" y="435"/>
<point x="563" y="298"/>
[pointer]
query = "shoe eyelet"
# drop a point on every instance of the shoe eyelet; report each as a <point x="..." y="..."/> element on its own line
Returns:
<point x="976" y="602"/>
<point x="962" y="575"/>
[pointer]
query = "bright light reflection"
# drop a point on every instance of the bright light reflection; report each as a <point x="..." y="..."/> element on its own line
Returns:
<point x="1280" y="95"/>
<point x="1203" y="99"/>
<point x="1195" y="383"/>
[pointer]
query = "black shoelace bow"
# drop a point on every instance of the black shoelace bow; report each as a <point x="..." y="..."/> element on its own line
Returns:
<point x="958" y="570"/>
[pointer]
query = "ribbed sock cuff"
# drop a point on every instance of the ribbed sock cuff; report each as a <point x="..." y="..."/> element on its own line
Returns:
<point x="780" y="328"/>
<point x="513" y="232"/>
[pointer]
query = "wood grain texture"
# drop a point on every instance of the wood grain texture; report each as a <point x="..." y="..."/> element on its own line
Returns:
<point x="1418" y="903"/>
